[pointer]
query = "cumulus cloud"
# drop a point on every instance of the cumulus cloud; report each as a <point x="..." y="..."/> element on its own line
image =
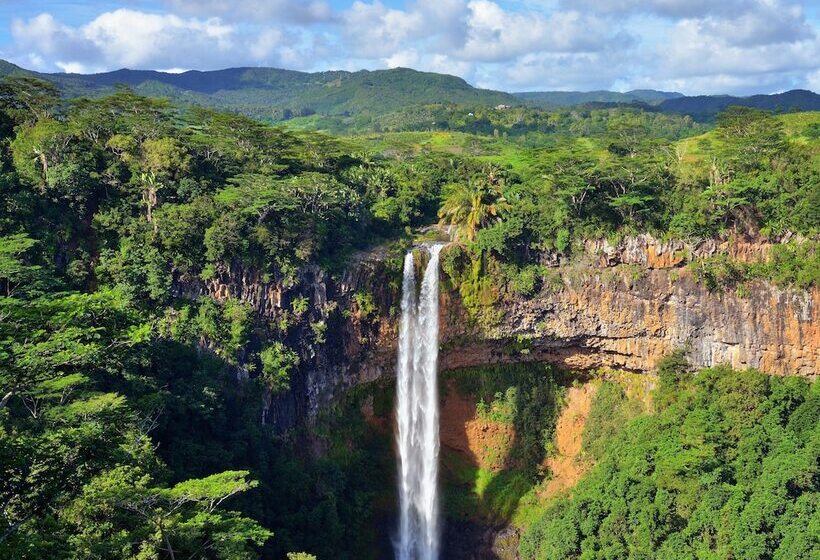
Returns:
<point x="290" y="11"/>
<point x="667" y="8"/>
<point x="495" y="34"/>
<point x="712" y="55"/>
<point x="129" y="38"/>
<point x="769" y="23"/>
<point x="559" y="71"/>
<point x="376" y="31"/>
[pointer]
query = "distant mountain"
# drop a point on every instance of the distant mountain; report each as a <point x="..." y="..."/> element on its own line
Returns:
<point x="275" y="94"/>
<point x="705" y="106"/>
<point x="552" y="99"/>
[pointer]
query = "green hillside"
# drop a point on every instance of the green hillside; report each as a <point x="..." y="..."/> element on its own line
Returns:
<point x="275" y="94"/>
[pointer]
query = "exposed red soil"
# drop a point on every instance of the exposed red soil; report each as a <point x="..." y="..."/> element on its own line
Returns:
<point x="484" y="443"/>
<point x="565" y="464"/>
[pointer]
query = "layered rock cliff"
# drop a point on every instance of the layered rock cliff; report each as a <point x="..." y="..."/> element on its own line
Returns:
<point x="621" y="306"/>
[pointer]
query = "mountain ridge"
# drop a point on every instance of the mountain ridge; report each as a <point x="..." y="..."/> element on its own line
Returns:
<point x="549" y="99"/>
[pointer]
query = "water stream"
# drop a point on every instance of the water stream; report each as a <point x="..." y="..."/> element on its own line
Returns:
<point x="417" y="413"/>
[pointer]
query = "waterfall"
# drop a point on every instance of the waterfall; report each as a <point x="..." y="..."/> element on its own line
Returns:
<point x="417" y="413"/>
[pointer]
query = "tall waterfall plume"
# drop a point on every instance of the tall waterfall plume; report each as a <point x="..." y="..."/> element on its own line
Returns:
<point x="417" y="414"/>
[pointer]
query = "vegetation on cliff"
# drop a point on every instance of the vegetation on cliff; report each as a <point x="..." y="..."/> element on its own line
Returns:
<point x="132" y="407"/>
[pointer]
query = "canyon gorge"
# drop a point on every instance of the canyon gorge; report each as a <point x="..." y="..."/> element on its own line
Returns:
<point x="621" y="306"/>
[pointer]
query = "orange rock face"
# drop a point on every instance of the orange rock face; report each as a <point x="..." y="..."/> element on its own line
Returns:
<point x="601" y="320"/>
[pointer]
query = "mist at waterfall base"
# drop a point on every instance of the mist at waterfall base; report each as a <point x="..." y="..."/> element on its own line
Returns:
<point x="417" y="412"/>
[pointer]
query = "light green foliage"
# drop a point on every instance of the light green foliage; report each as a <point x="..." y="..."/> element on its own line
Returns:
<point x="476" y="204"/>
<point x="239" y="317"/>
<point x="15" y="274"/>
<point x="319" y="329"/>
<point x="135" y="517"/>
<point x="502" y="408"/>
<point x="524" y="281"/>
<point x="794" y="264"/>
<point x="478" y="278"/>
<point x="278" y="362"/>
<point x="166" y="157"/>
<point x="720" y="472"/>
<point x="299" y="305"/>
<point x="365" y="303"/>
<point x="38" y="149"/>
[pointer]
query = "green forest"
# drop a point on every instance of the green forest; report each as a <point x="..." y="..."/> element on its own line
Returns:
<point x="133" y="407"/>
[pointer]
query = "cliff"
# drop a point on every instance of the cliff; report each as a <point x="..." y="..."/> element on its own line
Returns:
<point x="621" y="306"/>
<point x="611" y="319"/>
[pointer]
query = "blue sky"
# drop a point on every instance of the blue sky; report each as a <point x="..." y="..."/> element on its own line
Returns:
<point x="692" y="46"/>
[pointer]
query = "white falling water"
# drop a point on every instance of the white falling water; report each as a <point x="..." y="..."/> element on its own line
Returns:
<point x="417" y="414"/>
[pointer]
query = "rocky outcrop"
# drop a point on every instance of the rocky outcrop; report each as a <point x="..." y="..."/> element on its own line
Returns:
<point x="609" y="318"/>
<point x="626" y="306"/>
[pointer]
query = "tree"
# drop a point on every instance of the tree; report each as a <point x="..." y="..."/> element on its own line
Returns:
<point x="475" y="204"/>
<point x="28" y="99"/>
<point x="751" y="137"/>
<point x="278" y="361"/>
<point x="14" y="272"/>
<point x="121" y="513"/>
<point x="151" y="186"/>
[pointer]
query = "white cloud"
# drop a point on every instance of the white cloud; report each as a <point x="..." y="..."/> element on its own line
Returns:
<point x="699" y="57"/>
<point x="812" y="81"/>
<point x="43" y="38"/>
<point x="557" y="71"/>
<point x="134" y="39"/>
<point x="439" y="63"/>
<point x="496" y="34"/>
<point x="769" y="23"/>
<point x="254" y="11"/>
<point x="667" y="8"/>
<point x="376" y="31"/>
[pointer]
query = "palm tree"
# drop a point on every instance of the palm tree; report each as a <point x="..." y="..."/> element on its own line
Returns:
<point x="476" y="204"/>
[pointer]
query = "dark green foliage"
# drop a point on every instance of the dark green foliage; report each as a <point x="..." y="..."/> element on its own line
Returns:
<point x="570" y="98"/>
<point x="673" y="371"/>
<point x="123" y="424"/>
<point x="728" y="469"/>
<point x="274" y="94"/>
<point x="609" y="413"/>
<point x="705" y="106"/>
